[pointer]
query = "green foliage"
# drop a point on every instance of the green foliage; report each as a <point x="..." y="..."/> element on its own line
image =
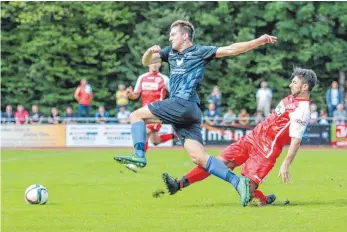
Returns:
<point x="47" y="47"/>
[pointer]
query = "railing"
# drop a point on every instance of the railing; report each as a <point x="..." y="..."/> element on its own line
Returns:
<point x="112" y="120"/>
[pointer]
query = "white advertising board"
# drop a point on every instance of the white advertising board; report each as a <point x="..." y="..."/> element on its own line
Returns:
<point x="91" y="135"/>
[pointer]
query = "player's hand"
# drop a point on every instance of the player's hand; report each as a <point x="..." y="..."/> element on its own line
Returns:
<point x="154" y="49"/>
<point x="264" y="39"/>
<point x="129" y="91"/>
<point x="284" y="174"/>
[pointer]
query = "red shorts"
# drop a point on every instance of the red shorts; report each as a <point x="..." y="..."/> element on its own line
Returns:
<point x="154" y="127"/>
<point x="256" y="167"/>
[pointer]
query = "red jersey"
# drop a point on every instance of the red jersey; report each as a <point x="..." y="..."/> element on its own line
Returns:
<point x="21" y="115"/>
<point x="152" y="87"/>
<point x="85" y="95"/>
<point x="289" y="120"/>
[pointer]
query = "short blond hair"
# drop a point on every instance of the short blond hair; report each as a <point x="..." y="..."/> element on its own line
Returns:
<point x="185" y="27"/>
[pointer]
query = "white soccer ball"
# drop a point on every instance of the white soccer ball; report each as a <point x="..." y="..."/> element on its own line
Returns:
<point x="36" y="194"/>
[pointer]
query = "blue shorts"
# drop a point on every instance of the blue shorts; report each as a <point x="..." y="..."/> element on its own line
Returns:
<point x="185" y="117"/>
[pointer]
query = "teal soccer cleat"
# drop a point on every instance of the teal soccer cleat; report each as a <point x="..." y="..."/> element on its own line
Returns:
<point x="243" y="190"/>
<point x="133" y="159"/>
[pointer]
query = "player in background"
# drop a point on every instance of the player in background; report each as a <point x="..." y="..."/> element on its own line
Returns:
<point x="259" y="150"/>
<point x="152" y="86"/>
<point x="187" y="64"/>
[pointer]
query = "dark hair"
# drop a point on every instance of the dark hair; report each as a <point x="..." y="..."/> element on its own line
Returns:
<point x="308" y="76"/>
<point x="185" y="27"/>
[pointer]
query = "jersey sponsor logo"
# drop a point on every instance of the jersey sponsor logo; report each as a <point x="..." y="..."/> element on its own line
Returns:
<point x="179" y="62"/>
<point x="301" y="122"/>
<point x="150" y="86"/>
<point x="178" y="71"/>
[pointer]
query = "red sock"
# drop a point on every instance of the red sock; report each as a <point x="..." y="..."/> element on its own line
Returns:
<point x="260" y="195"/>
<point x="166" y="137"/>
<point x="146" y="146"/>
<point x="196" y="174"/>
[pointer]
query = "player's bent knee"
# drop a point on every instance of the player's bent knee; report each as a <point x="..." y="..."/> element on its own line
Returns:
<point x="198" y="160"/>
<point x="135" y="116"/>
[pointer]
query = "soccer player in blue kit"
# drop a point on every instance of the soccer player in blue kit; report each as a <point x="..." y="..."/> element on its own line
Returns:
<point x="181" y="110"/>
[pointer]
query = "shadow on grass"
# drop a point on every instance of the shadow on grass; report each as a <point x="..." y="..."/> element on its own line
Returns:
<point x="279" y="203"/>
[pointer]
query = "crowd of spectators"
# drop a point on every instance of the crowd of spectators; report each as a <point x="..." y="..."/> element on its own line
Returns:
<point x="213" y="115"/>
<point x="83" y="95"/>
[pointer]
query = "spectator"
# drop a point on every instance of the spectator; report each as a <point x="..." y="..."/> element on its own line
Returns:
<point x="8" y="116"/>
<point x="21" y="116"/>
<point x="54" y="118"/>
<point x="314" y="114"/>
<point x="264" y="97"/>
<point x="333" y="98"/>
<point x="122" y="97"/>
<point x="340" y="115"/>
<point x="123" y="116"/>
<point x="216" y="98"/>
<point x="70" y="117"/>
<point x="36" y="117"/>
<point x="84" y="95"/>
<point x="229" y="118"/>
<point x="323" y="118"/>
<point x="102" y="115"/>
<point x="243" y="117"/>
<point x="258" y="117"/>
<point x="212" y="116"/>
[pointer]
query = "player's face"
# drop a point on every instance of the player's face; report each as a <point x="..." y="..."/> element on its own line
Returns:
<point x="176" y="38"/>
<point x="297" y="86"/>
<point x="154" y="67"/>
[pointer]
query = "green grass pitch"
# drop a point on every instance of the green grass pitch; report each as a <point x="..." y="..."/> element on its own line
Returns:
<point x="89" y="191"/>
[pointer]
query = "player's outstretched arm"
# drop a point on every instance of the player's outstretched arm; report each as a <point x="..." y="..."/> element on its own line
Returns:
<point x="151" y="56"/>
<point x="131" y="94"/>
<point x="293" y="149"/>
<point x="242" y="47"/>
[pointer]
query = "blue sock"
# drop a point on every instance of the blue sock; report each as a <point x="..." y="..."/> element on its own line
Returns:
<point x="216" y="167"/>
<point x="139" y="134"/>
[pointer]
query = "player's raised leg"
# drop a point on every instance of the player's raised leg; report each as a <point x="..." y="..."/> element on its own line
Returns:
<point x="139" y="135"/>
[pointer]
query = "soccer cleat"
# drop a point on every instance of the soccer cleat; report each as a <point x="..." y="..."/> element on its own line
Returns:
<point x="172" y="184"/>
<point x="243" y="190"/>
<point x="138" y="161"/>
<point x="269" y="200"/>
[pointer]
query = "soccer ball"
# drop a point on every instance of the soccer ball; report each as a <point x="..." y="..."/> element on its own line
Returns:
<point x="36" y="194"/>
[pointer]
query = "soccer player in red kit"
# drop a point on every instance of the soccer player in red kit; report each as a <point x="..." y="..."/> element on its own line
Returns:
<point x="259" y="150"/>
<point x="152" y="87"/>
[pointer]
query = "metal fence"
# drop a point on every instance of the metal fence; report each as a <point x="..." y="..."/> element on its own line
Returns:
<point x="112" y="120"/>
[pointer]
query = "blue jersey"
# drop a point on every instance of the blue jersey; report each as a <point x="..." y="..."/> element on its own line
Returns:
<point x="187" y="69"/>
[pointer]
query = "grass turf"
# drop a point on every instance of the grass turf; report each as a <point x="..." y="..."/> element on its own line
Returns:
<point x="89" y="191"/>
